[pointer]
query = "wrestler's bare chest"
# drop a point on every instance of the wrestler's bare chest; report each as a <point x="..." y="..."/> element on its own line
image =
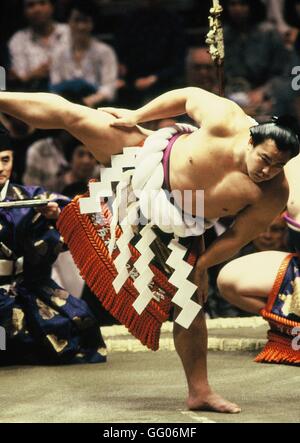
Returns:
<point x="292" y="175"/>
<point x="227" y="190"/>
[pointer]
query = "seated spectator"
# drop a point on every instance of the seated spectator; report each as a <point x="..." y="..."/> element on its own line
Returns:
<point x="83" y="167"/>
<point x="31" y="48"/>
<point x="151" y="49"/>
<point x="46" y="163"/>
<point x="273" y="239"/>
<point x="58" y="161"/>
<point x="84" y="69"/>
<point x="200" y="69"/>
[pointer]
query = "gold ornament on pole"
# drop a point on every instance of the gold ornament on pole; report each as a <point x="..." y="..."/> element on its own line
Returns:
<point x="215" y="41"/>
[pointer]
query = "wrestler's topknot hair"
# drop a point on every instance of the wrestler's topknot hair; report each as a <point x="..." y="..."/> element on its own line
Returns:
<point x="283" y="130"/>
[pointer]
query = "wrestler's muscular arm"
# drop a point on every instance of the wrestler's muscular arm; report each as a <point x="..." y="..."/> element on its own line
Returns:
<point x="91" y="127"/>
<point x="247" y="226"/>
<point x="202" y="106"/>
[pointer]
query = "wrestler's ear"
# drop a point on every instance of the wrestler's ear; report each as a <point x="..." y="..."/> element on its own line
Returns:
<point x="251" y="141"/>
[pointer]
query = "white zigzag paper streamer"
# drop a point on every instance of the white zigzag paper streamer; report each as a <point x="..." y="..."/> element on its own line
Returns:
<point x="103" y="188"/>
<point x="121" y="187"/>
<point x="186" y="289"/>
<point x="123" y="258"/>
<point x="142" y="266"/>
<point x="123" y="245"/>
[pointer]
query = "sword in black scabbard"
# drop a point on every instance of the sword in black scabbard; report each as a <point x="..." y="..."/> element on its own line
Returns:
<point x="215" y="41"/>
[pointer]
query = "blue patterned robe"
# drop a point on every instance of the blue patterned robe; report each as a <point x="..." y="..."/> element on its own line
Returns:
<point x="43" y="323"/>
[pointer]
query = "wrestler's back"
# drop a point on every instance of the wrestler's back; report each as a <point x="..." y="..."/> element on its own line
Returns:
<point x="200" y="161"/>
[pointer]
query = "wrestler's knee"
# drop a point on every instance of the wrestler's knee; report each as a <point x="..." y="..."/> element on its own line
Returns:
<point x="227" y="283"/>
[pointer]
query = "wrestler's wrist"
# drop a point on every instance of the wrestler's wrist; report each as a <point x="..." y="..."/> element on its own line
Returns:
<point x="138" y="116"/>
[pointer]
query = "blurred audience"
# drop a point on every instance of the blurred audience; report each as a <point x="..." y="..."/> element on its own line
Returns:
<point x="58" y="162"/>
<point x="84" y="69"/>
<point x="46" y="162"/>
<point x="83" y="167"/>
<point x="31" y="49"/>
<point x="151" y="49"/>
<point x="275" y="15"/>
<point x="200" y="69"/>
<point x="255" y="56"/>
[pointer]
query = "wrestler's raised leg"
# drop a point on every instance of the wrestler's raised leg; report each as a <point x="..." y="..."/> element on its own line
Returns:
<point x="91" y="127"/>
<point x="247" y="281"/>
<point x="191" y="346"/>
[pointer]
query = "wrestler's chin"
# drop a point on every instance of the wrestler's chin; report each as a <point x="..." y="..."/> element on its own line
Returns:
<point x="256" y="178"/>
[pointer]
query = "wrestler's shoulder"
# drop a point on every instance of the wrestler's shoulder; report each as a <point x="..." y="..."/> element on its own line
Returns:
<point x="230" y="121"/>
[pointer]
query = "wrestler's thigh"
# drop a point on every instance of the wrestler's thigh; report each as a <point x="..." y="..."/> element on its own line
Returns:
<point x="93" y="128"/>
<point x="252" y="274"/>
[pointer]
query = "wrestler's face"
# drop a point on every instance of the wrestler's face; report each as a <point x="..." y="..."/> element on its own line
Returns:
<point x="83" y="163"/>
<point x="273" y="238"/>
<point x="6" y="165"/>
<point x="38" y="12"/>
<point x="265" y="161"/>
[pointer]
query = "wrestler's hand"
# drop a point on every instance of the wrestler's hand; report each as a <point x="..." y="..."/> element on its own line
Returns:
<point x="201" y="280"/>
<point x="51" y="211"/>
<point x="124" y="117"/>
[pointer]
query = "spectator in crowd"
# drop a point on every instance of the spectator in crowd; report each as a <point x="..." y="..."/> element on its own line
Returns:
<point x="83" y="68"/>
<point x="46" y="162"/>
<point x="83" y="167"/>
<point x="273" y="239"/>
<point x="58" y="161"/>
<point x="151" y="49"/>
<point x="200" y="69"/>
<point x="31" y="49"/>
<point x="255" y="55"/>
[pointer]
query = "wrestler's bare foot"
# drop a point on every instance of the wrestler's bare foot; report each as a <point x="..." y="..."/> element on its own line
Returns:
<point x="210" y="401"/>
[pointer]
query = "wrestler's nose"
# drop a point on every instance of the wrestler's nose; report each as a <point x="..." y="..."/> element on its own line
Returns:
<point x="267" y="233"/>
<point x="266" y="172"/>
